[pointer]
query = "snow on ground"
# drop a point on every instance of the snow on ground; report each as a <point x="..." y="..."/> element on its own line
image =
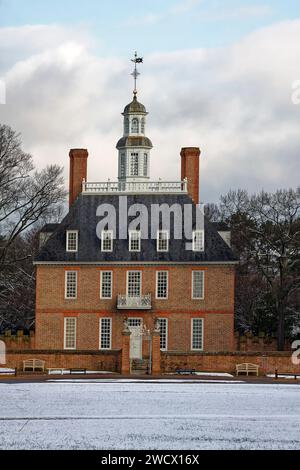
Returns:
<point x="67" y="372"/>
<point x="139" y="415"/>
<point x="283" y="376"/>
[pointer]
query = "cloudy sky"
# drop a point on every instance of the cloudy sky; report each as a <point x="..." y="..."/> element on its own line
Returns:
<point x="218" y="74"/>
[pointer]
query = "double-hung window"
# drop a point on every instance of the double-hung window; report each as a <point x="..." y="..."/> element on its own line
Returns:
<point x="162" y="240"/>
<point x="134" y="240"/>
<point x="107" y="240"/>
<point x="198" y="240"/>
<point x="70" y="324"/>
<point x="134" y="283"/>
<point x="72" y="241"/>
<point x="162" y="281"/>
<point x="198" y="285"/>
<point x="105" y="333"/>
<point x="106" y="283"/>
<point x="197" y="334"/>
<point x="163" y="323"/>
<point x="71" y="284"/>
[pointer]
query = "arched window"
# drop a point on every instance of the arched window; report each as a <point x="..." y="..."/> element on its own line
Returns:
<point x="135" y="126"/>
<point x="145" y="165"/>
<point x="143" y="126"/>
<point x="126" y="125"/>
<point x="134" y="164"/>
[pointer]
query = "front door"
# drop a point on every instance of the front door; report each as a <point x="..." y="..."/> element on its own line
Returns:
<point x="135" y="327"/>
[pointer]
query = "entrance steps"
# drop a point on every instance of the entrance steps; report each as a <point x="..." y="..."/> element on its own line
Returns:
<point x="139" y="366"/>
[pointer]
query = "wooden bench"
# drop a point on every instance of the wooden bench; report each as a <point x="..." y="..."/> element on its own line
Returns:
<point x="286" y="375"/>
<point x="75" y="370"/>
<point x="247" y="368"/>
<point x="186" y="371"/>
<point x="33" y="365"/>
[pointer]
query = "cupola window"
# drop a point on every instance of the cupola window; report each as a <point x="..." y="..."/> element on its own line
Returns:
<point x="145" y="166"/>
<point x="143" y="126"/>
<point x="126" y="125"/>
<point x="123" y="165"/>
<point x="135" y="126"/>
<point x="134" y="164"/>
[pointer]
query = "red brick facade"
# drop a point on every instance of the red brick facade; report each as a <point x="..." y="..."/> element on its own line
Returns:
<point x="190" y="170"/>
<point x="216" y="309"/>
<point x="78" y="172"/>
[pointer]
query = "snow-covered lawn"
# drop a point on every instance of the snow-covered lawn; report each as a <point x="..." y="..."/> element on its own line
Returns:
<point x="137" y="415"/>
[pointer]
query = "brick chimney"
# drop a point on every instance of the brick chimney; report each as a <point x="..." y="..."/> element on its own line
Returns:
<point x="78" y="172"/>
<point x="190" y="170"/>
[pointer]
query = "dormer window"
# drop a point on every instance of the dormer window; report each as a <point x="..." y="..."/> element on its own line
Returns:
<point x="134" y="240"/>
<point x="162" y="240"/>
<point x="198" y="240"/>
<point x="135" y="126"/>
<point x="107" y="240"/>
<point x="72" y="241"/>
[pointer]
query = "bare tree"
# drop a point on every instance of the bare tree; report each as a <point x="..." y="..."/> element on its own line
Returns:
<point x="28" y="199"/>
<point x="26" y="195"/>
<point x="266" y="233"/>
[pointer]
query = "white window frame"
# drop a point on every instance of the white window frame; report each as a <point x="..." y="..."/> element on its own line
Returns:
<point x="134" y="166"/>
<point x="156" y="285"/>
<point x="167" y="332"/>
<point x="158" y="240"/>
<point x="100" y="333"/>
<point x="194" y="247"/>
<point x="66" y="284"/>
<point x="110" y="232"/>
<point x="65" y="333"/>
<point x="71" y="232"/>
<point x="111" y="284"/>
<point x="203" y="283"/>
<point x="127" y="281"/>
<point x="192" y="334"/>
<point x="134" y="232"/>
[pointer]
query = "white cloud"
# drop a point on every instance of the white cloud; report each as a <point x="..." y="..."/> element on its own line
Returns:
<point x="235" y="103"/>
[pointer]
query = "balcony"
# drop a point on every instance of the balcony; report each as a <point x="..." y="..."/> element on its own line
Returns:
<point x="143" y="302"/>
<point x="148" y="187"/>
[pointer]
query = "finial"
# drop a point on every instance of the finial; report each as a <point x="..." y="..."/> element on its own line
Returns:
<point x="135" y="73"/>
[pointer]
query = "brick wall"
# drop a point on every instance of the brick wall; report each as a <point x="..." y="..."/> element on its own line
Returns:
<point x="216" y="308"/>
<point x="226" y="362"/>
<point x="104" y="360"/>
<point x="19" y="340"/>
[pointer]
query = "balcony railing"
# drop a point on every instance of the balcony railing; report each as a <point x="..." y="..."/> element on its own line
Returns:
<point x="170" y="187"/>
<point x="141" y="302"/>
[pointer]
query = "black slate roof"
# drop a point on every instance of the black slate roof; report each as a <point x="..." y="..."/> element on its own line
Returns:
<point x="82" y="217"/>
<point x="49" y="228"/>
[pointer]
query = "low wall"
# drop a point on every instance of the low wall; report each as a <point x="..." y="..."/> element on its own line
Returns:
<point x="226" y="362"/>
<point x="92" y="360"/>
<point x="18" y="341"/>
<point x="260" y="342"/>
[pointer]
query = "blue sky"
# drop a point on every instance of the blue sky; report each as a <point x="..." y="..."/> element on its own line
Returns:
<point x="119" y="26"/>
<point x="218" y="74"/>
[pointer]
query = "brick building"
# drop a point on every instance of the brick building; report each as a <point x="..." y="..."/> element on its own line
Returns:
<point x="135" y="259"/>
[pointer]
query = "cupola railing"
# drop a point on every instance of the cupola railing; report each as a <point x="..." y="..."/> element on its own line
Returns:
<point x="135" y="187"/>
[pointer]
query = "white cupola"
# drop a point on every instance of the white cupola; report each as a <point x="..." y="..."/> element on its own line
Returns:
<point x="134" y="147"/>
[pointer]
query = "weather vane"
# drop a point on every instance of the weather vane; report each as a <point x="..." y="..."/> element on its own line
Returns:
<point x="135" y="73"/>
